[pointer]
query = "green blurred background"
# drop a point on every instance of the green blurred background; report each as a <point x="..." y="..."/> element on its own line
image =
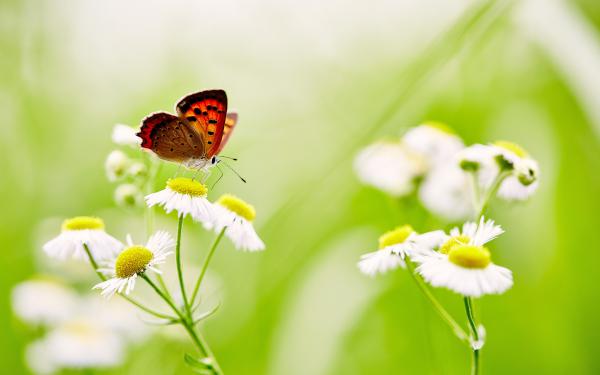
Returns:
<point x="313" y="82"/>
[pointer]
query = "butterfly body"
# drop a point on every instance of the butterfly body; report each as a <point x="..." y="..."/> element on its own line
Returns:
<point x="194" y="136"/>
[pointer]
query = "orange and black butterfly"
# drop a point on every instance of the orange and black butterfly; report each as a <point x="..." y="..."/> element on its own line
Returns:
<point x="196" y="135"/>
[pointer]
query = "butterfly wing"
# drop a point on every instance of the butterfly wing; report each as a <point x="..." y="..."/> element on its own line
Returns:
<point x="171" y="138"/>
<point x="230" y="122"/>
<point x="206" y="111"/>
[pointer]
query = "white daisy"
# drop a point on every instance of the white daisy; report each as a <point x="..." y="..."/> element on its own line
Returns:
<point x="434" y="141"/>
<point x="124" y="135"/>
<point x="116" y="165"/>
<point x="43" y="301"/>
<point x="523" y="182"/>
<point x="463" y="264"/>
<point x="448" y="192"/>
<point x="82" y="230"/>
<point x="78" y="343"/>
<point x="394" y="246"/>
<point x="237" y="216"/>
<point x="389" y="166"/>
<point x="521" y="171"/>
<point x="128" y="195"/>
<point x="135" y="260"/>
<point x="186" y="196"/>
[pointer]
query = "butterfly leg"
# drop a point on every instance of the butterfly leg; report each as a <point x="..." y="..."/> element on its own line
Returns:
<point x="218" y="179"/>
<point x="178" y="169"/>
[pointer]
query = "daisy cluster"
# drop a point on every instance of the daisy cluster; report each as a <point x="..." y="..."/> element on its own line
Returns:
<point x="73" y="331"/>
<point x="458" y="260"/>
<point x="448" y="176"/>
<point x="133" y="174"/>
<point x="84" y="237"/>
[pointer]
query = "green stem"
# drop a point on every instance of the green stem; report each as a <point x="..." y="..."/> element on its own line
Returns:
<point x="445" y="315"/>
<point x="196" y="337"/>
<point x="209" y="256"/>
<point x="473" y="326"/>
<point x="180" y="270"/>
<point x="129" y="299"/>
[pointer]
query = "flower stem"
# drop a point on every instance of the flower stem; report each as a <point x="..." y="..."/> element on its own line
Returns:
<point x="129" y="299"/>
<point x="473" y="326"/>
<point x="180" y="270"/>
<point x="212" y="250"/>
<point x="188" y="324"/>
<point x="445" y="315"/>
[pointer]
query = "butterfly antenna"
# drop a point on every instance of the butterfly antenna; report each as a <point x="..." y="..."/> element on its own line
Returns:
<point x="228" y="157"/>
<point x="234" y="171"/>
<point x="218" y="179"/>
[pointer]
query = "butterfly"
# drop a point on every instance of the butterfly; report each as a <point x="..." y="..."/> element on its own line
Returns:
<point x="196" y="135"/>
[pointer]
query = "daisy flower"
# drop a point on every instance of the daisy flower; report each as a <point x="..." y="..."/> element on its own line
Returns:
<point x="523" y="182"/>
<point x="237" y="215"/>
<point x="448" y="192"/>
<point x="436" y="142"/>
<point x="488" y="161"/>
<point x="135" y="260"/>
<point x="116" y="165"/>
<point x="124" y="135"/>
<point x="388" y="166"/>
<point x="43" y="301"/>
<point x="186" y="196"/>
<point x="128" y="195"/>
<point x="463" y="264"/>
<point x="78" y="231"/>
<point x="78" y="343"/>
<point x="394" y="247"/>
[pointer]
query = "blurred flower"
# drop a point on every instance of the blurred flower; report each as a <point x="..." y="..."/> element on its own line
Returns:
<point x="394" y="246"/>
<point x="137" y="169"/>
<point x="43" y="301"/>
<point x="128" y="195"/>
<point x="463" y="264"/>
<point x="488" y="161"/>
<point x="448" y="192"/>
<point x="82" y="230"/>
<point x="388" y="166"/>
<point x="434" y="141"/>
<point x="117" y="315"/>
<point x="523" y="182"/>
<point x="237" y="216"/>
<point x="185" y="196"/>
<point x="124" y="135"/>
<point x="116" y="165"/>
<point x="135" y="260"/>
<point x="76" y="344"/>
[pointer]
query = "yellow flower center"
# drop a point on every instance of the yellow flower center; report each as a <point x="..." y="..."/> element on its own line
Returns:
<point x="469" y="256"/>
<point x="461" y="239"/>
<point x="235" y="204"/>
<point x="132" y="260"/>
<point x="395" y="236"/>
<point x="184" y="185"/>
<point x="444" y="128"/>
<point x="83" y="222"/>
<point x="512" y="147"/>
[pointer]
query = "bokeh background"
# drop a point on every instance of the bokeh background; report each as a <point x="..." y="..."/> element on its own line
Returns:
<point x="314" y="81"/>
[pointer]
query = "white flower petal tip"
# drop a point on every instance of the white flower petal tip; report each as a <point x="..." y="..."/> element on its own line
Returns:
<point x="80" y="231"/>
<point x="43" y="301"/>
<point x="186" y="197"/>
<point x="379" y="262"/>
<point x="135" y="260"/>
<point x="389" y="167"/>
